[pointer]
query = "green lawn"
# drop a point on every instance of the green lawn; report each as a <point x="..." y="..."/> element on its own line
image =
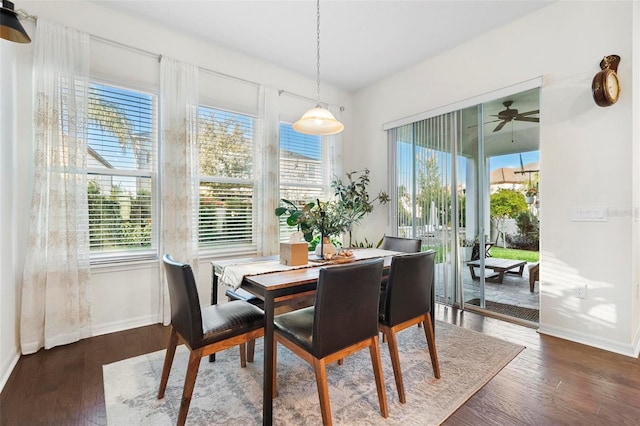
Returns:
<point x="498" y="252"/>
<point x="507" y="253"/>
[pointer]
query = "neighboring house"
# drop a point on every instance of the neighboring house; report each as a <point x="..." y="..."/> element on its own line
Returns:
<point x="513" y="178"/>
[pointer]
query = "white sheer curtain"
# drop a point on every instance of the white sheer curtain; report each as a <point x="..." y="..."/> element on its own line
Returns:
<point x="266" y="171"/>
<point x="56" y="292"/>
<point x="333" y="146"/>
<point x="179" y="109"/>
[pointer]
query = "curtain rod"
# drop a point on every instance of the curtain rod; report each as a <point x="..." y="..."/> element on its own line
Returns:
<point x="306" y="98"/>
<point x="25" y="15"/>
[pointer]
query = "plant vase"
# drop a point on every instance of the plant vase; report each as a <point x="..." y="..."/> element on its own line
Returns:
<point x="326" y="248"/>
<point x="529" y="199"/>
<point x="466" y="253"/>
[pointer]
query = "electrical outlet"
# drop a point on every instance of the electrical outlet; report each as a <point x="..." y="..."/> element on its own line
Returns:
<point x="581" y="292"/>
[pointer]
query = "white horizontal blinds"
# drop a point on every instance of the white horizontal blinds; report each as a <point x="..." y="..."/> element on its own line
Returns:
<point x="301" y="170"/>
<point x="227" y="187"/>
<point x="121" y="165"/>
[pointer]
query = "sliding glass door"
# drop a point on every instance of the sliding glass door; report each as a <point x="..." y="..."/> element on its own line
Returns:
<point x="460" y="181"/>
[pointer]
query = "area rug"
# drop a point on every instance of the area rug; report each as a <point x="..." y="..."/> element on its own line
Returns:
<point x="230" y="395"/>
<point x="521" y="312"/>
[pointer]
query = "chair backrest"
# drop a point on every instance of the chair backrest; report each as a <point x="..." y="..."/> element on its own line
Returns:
<point x="408" y="290"/>
<point x="405" y="245"/>
<point x="346" y="308"/>
<point x="186" y="315"/>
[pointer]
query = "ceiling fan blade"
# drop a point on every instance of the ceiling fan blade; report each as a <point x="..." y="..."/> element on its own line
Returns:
<point x="499" y="126"/>
<point x="530" y="112"/>
<point x="531" y="119"/>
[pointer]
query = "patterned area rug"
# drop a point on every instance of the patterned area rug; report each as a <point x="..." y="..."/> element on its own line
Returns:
<point x="227" y="394"/>
<point x="521" y="312"/>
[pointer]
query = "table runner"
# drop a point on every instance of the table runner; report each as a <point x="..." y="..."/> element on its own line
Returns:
<point x="232" y="275"/>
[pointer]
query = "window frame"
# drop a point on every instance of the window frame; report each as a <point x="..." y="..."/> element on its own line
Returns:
<point x="136" y="255"/>
<point x="232" y="249"/>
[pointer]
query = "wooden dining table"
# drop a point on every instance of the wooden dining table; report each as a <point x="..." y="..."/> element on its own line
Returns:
<point x="276" y="287"/>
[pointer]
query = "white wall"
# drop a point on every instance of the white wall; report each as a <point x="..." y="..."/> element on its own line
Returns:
<point x="8" y="300"/>
<point x="592" y="145"/>
<point x="123" y="296"/>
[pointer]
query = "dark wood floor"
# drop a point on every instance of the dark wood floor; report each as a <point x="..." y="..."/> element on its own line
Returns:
<point x="551" y="382"/>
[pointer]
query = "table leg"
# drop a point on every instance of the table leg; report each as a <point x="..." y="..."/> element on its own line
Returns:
<point x="214" y="298"/>
<point x="267" y="388"/>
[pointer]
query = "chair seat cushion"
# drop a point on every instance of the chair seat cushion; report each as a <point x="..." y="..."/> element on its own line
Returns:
<point x="242" y="294"/>
<point x="297" y="326"/>
<point x="225" y="320"/>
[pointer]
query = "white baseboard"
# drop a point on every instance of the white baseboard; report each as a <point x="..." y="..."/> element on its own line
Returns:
<point x="7" y="369"/>
<point x="590" y="340"/>
<point x="636" y="343"/>
<point x="115" y="326"/>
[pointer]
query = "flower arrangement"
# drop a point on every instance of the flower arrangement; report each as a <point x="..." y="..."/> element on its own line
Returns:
<point x="531" y="191"/>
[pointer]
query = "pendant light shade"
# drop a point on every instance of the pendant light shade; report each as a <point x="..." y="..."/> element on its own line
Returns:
<point x="318" y="120"/>
<point x="10" y="27"/>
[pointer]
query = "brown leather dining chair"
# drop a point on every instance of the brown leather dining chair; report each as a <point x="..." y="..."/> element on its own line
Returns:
<point x="204" y="331"/>
<point x="404" y="245"/>
<point x="408" y="302"/>
<point x="343" y="321"/>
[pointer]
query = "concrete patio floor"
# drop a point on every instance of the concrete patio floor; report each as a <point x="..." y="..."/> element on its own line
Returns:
<point x="514" y="290"/>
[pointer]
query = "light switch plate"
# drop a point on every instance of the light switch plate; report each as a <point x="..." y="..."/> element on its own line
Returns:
<point x="589" y="214"/>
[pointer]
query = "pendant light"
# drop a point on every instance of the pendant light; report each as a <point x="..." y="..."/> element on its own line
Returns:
<point x="10" y="27"/>
<point x="318" y="120"/>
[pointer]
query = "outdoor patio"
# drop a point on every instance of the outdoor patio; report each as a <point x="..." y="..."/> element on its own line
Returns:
<point x="514" y="290"/>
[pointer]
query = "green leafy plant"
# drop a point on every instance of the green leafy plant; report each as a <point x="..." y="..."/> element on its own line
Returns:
<point x="353" y="202"/>
<point x="350" y="205"/>
<point x="313" y="218"/>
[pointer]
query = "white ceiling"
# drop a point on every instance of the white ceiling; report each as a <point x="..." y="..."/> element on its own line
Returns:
<point x="361" y="42"/>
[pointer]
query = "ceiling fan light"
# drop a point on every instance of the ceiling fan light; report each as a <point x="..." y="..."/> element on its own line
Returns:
<point x="318" y="121"/>
<point x="10" y="27"/>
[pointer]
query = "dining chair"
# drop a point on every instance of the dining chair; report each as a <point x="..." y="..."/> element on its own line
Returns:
<point x="204" y="331"/>
<point x="343" y="320"/>
<point x="408" y="302"/>
<point x="404" y="245"/>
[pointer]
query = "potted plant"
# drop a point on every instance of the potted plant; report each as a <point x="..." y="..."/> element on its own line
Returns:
<point x="466" y="247"/>
<point x="530" y="194"/>
<point x="335" y="217"/>
<point x="317" y="219"/>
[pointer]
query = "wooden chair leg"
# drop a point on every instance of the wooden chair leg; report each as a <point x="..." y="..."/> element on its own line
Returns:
<point x="251" y="349"/>
<point x="189" y="384"/>
<point x="374" y="350"/>
<point x="395" y="363"/>
<point x="323" y="390"/>
<point x="243" y="355"/>
<point x="168" y="361"/>
<point x="431" y="341"/>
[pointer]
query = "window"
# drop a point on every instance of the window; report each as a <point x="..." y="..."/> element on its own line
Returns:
<point x="226" y="179"/>
<point x="121" y="165"/>
<point x="301" y="178"/>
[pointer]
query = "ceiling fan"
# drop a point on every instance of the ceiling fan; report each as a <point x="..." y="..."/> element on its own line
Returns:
<point x="509" y="114"/>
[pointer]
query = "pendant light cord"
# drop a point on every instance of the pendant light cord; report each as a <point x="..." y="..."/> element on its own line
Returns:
<point x="318" y="53"/>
